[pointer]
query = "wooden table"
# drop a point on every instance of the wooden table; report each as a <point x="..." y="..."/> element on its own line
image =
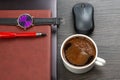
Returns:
<point x="106" y="35"/>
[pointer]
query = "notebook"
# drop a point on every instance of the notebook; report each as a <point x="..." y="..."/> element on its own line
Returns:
<point x="25" y="58"/>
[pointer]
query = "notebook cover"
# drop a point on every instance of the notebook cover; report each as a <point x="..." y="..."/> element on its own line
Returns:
<point x="37" y="5"/>
<point x="25" y="58"/>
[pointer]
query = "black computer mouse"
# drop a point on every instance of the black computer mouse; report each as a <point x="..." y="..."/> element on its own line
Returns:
<point x="83" y="14"/>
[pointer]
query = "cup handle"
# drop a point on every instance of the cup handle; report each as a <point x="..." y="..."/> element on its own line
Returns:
<point x="100" y="61"/>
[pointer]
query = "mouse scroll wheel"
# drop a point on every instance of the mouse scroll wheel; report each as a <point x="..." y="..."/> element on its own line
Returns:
<point x="83" y="5"/>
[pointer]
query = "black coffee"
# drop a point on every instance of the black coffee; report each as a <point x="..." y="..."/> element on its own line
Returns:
<point x="79" y="51"/>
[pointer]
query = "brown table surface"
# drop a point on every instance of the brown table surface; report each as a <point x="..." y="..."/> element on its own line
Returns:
<point x="106" y="35"/>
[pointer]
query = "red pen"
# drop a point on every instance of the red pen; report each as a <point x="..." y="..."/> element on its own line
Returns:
<point x="24" y="34"/>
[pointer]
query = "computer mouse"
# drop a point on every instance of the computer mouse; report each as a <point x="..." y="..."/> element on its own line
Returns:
<point x="83" y="14"/>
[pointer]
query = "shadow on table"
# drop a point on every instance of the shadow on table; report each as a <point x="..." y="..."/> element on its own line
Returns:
<point x="93" y="74"/>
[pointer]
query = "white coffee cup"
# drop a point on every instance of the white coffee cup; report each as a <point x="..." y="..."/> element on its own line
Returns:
<point x="81" y="69"/>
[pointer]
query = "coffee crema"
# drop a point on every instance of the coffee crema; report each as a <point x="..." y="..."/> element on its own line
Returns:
<point x="79" y="51"/>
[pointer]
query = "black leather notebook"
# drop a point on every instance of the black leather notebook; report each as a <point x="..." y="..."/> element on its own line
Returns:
<point x="37" y="5"/>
